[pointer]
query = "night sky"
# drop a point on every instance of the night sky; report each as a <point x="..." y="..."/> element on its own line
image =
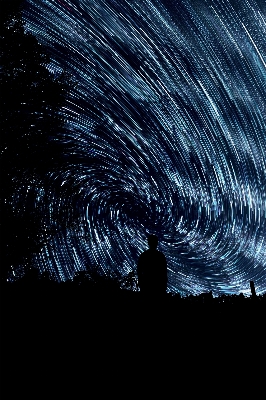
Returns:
<point x="169" y="109"/>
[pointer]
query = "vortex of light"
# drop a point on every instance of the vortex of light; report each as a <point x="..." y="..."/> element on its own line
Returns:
<point x="168" y="120"/>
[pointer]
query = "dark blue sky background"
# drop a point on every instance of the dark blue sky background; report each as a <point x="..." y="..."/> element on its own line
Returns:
<point x="168" y="120"/>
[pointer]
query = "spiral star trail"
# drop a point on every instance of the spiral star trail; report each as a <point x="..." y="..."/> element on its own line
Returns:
<point x="168" y="120"/>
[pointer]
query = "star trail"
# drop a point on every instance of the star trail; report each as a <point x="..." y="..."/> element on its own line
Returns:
<point x="167" y="118"/>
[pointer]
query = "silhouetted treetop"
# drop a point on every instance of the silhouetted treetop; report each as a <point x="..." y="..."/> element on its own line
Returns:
<point x="32" y="127"/>
<point x="31" y="98"/>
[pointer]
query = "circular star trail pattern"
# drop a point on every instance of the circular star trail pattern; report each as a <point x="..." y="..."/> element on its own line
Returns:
<point x="167" y="122"/>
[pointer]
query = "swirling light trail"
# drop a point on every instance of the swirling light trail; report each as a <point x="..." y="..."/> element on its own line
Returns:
<point x="170" y="110"/>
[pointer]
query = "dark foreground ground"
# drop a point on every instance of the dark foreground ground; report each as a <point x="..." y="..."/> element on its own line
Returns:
<point x="70" y="338"/>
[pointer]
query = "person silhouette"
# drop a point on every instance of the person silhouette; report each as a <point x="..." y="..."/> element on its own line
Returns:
<point x="152" y="270"/>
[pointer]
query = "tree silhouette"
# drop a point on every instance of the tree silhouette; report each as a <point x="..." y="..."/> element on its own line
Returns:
<point x="31" y="128"/>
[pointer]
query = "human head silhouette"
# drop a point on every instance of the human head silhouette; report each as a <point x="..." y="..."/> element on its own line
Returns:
<point x="152" y="241"/>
